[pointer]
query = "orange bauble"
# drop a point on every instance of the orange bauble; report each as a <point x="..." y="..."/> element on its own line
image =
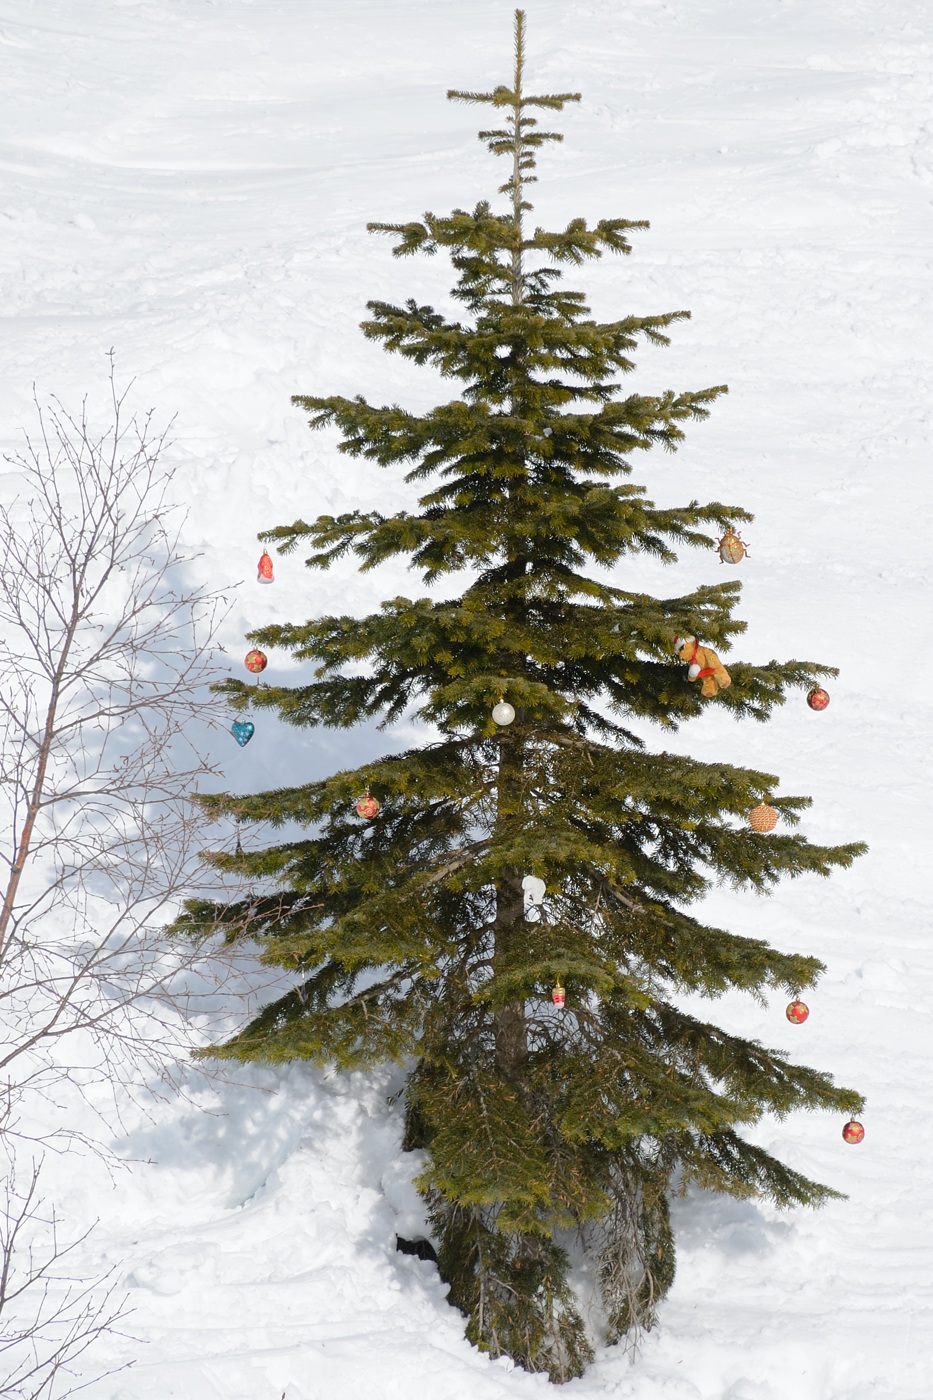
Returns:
<point x="256" y="661"/>
<point x="853" y="1131"/>
<point x="797" y="1012"/>
<point x="558" y="995"/>
<point x="818" y="698"/>
<point x="264" y="572"/>
<point x="367" y="807"/>
<point x="762" y="818"/>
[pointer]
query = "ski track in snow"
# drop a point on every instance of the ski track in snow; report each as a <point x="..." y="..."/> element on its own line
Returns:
<point x="189" y="182"/>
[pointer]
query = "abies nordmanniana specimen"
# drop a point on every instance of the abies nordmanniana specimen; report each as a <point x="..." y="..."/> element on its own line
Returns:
<point x="408" y="935"/>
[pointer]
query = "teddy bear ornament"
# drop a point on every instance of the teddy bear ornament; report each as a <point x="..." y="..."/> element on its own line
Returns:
<point x="702" y="664"/>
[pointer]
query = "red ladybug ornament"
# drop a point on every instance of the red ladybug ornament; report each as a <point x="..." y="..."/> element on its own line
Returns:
<point x="797" y="1012"/>
<point x="367" y="808"/>
<point x="264" y="572"/>
<point x="853" y="1131"/>
<point x="762" y="818"/>
<point x="818" y="698"/>
<point x="558" y="995"/>
<point x="255" y="661"/>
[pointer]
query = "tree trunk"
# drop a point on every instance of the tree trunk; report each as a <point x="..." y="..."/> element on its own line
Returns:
<point x="510" y="1030"/>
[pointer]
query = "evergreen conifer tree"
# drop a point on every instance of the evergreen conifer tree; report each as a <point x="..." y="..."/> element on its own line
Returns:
<point x="408" y="934"/>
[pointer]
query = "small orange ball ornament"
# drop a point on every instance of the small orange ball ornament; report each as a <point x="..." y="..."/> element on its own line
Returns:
<point x="732" y="548"/>
<point x="367" y="808"/>
<point x="558" y="995"/>
<point x="762" y="818"/>
<point x="264" y="572"/>
<point x="256" y="661"/>
<point x="797" y="1012"/>
<point x="818" y="698"/>
<point x="853" y="1131"/>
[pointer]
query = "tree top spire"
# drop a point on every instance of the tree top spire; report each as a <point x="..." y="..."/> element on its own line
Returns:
<point x="519" y="139"/>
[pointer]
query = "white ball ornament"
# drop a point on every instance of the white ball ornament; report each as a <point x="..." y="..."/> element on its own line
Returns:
<point x="503" y="713"/>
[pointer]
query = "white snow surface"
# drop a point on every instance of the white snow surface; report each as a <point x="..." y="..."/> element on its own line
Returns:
<point x="188" y="182"/>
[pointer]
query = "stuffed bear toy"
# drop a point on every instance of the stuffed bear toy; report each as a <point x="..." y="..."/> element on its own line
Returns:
<point x="702" y="664"/>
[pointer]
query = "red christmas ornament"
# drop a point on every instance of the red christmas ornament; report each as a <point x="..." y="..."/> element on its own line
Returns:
<point x="367" y="808"/>
<point x="818" y="698"/>
<point x="264" y="569"/>
<point x="256" y="661"/>
<point x="558" y="995"/>
<point x="853" y="1131"/>
<point x="762" y="818"/>
<point x="732" y="548"/>
<point x="797" y="1012"/>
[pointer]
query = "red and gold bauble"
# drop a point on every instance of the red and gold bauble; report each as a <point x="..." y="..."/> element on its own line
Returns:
<point x="853" y="1131"/>
<point x="732" y="548"/>
<point x="256" y="661"/>
<point x="762" y="818"/>
<point x="367" y="808"/>
<point x="558" y="995"/>
<point x="264" y="572"/>
<point x="818" y="698"/>
<point x="797" y="1012"/>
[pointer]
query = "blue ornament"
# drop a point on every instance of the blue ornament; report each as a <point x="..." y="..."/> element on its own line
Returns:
<point x="242" y="730"/>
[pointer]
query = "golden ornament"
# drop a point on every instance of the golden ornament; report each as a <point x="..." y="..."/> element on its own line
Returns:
<point x="762" y="818"/>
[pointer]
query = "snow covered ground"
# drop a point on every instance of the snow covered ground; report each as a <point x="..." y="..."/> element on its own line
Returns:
<point x="188" y="181"/>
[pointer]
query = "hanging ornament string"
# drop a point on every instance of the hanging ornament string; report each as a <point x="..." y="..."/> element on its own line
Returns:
<point x="763" y="818"/>
<point x="255" y="660"/>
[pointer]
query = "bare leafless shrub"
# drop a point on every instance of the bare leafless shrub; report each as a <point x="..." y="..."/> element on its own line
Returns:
<point x="50" y="1311"/>
<point x="106" y="655"/>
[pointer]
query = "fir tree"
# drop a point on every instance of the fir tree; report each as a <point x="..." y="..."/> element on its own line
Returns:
<point x="408" y="935"/>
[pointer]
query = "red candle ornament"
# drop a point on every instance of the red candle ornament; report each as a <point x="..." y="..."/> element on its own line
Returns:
<point x="558" y="995"/>
<point x="762" y="818"/>
<point x="367" y="808"/>
<point x="853" y="1131"/>
<point x="797" y="1012"/>
<point x="264" y="569"/>
<point x="818" y="698"/>
<point x="256" y="661"/>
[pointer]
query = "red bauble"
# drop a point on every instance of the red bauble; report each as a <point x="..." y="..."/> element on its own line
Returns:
<point x="558" y="995"/>
<point x="762" y="818"/>
<point x="818" y="698"/>
<point x="798" y="1011"/>
<point x="367" y="808"/>
<point x="256" y="661"/>
<point x="264" y="569"/>
<point x="853" y="1131"/>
